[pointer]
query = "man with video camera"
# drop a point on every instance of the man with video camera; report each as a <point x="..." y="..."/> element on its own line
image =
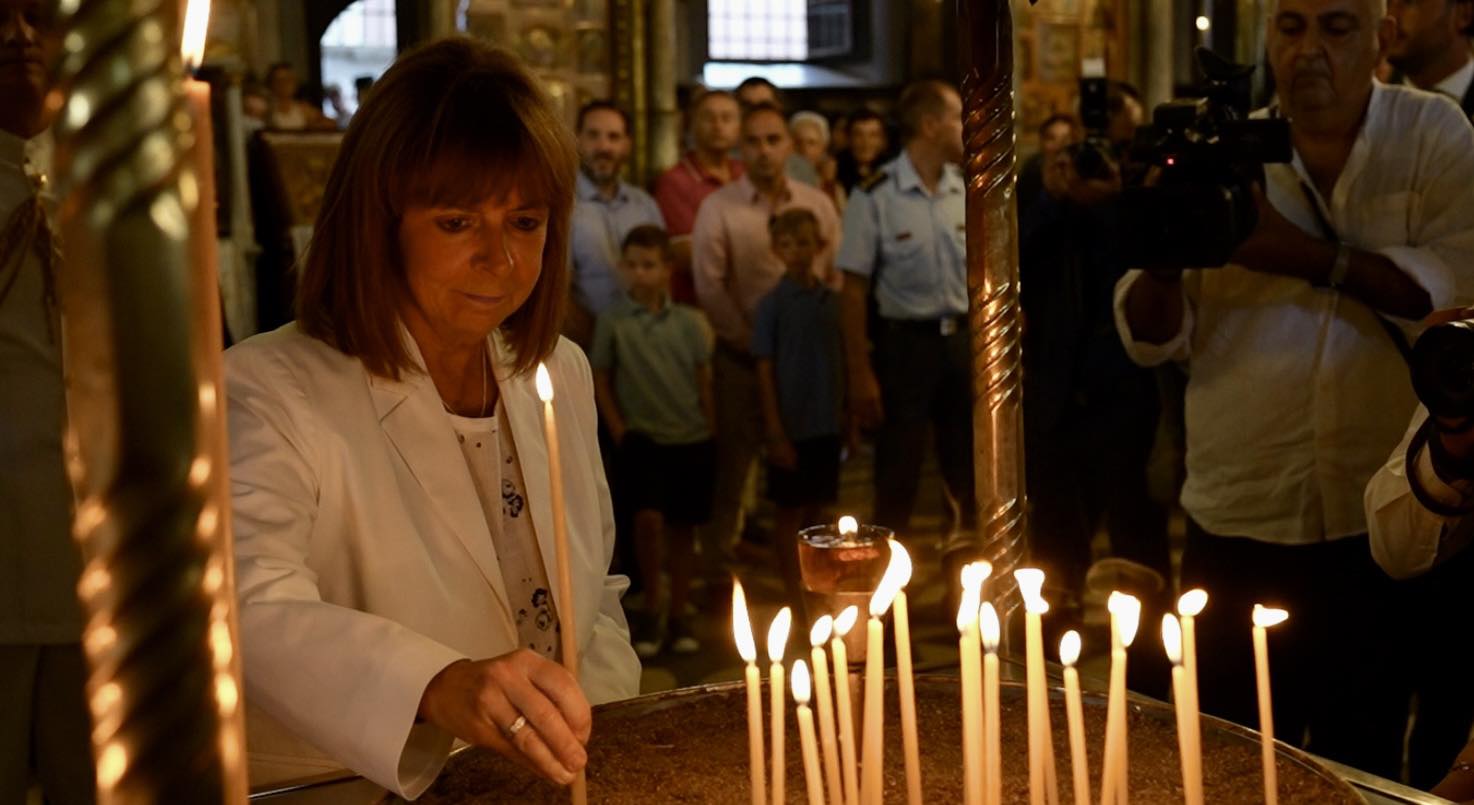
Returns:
<point x="1296" y="379"/>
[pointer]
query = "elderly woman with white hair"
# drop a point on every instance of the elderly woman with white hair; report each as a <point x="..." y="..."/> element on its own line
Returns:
<point x="810" y="132"/>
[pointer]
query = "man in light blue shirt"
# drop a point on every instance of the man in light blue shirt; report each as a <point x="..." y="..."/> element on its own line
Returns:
<point x="605" y="209"/>
<point x="904" y="236"/>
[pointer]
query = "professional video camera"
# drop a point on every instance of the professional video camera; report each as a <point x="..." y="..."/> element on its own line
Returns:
<point x="1209" y="154"/>
<point x="1443" y="369"/>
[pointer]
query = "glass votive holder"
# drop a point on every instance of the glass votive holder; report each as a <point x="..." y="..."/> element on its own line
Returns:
<point x="840" y="570"/>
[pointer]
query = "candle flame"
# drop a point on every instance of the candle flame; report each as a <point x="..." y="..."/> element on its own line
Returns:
<point x="848" y="526"/>
<point x="778" y="634"/>
<point x="1191" y="604"/>
<point x="544" y="383"/>
<point x="1069" y="648"/>
<point x="823" y="628"/>
<point x="196" y="27"/>
<point x="897" y="573"/>
<point x="846" y="620"/>
<point x="1125" y="614"/>
<point x="1030" y="584"/>
<point x="799" y="679"/>
<point x="1265" y="617"/>
<point x="1172" y="638"/>
<point x="992" y="630"/>
<point x="742" y="625"/>
<point x="967" y="611"/>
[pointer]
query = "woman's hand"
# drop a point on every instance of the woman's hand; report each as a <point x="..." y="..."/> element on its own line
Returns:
<point x="477" y="701"/>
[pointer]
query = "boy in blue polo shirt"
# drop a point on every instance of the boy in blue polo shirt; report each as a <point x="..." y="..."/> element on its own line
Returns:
<point x="652" y="380"/>
<point x="796" y="341"/>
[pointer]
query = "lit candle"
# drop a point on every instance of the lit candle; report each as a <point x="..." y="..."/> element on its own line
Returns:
<point x="1125" y="616"/>
<point x="812" y="781"/>
<point x="563" y="602"/>
<point x="205" y="256"/>
<point x="1192" y="783"/>
<point x="838" y="654"/>
<point x="905" y="684"/>
<point x="969" y="653"/>
<point x="777" y="642"/>
<point x="1189" y="606"/>
<point x="747" y="647"/>
<point x="1030" y="584"/>
<point x="1264" y="618"/>
<point x="872" y="781"/>
<point x="829" y="751"/>
<point x="991" y="632"/>
<point x="1069" y="654"/>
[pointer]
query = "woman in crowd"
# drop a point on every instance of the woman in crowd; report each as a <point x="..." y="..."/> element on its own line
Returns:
<point x="285" y="111"/>
<point x="394" y="538"/>
<point x="810" y="132"/>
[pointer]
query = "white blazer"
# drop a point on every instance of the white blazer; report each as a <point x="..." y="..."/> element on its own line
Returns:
<point x="364" y="564"/>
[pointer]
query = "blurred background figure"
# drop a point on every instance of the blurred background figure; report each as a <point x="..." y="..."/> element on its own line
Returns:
<point x="869" y="145"/>
<point x="810" y="132"/>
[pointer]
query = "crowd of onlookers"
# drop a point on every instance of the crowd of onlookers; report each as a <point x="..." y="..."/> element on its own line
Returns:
<point x="725" y="315"/>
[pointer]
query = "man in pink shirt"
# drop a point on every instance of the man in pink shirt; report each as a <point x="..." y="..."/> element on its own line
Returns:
<point x="734" y="268"/>
<point x="680" y="190"/>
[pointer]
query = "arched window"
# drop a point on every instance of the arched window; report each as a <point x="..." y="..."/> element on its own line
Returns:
<point x="360" y="42"/>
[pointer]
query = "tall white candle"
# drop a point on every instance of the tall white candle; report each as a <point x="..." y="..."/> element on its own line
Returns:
<point x="563" y="602"/>
<point x="1069" y="654"/>
<point x="910" y="746"/>
<point x="991" y="632"/>
<point x="1041" y="771"/>
<point x="777" y="642"/>
<point x="1189" y="606"/>
<point x="813" y="783"/>
<point x="1125" y="617"/>
<point x="747" y="648"/>
<point x="820" y="634"/>
<point x="872" y="779"/>
<point x="1264" y="618"/>
<point x="1192" y="781"/>
<point x="969" y="653"/>
<point x="844" y="713"/>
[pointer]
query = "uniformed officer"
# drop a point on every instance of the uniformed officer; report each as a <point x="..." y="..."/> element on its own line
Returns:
<point x="904" y="243"/>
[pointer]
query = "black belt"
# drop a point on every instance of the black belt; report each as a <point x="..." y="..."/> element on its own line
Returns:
<point x="943" y="326"/>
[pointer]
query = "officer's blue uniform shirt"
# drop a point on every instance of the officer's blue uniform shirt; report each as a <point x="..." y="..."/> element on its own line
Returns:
<point x="599" y="229"/>
<point x="915" y="241"/>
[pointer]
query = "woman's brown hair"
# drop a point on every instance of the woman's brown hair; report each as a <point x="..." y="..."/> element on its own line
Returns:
<point x="452" y="123"/>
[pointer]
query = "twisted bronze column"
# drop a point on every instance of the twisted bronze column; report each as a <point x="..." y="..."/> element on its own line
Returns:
<point x="986" y="30"/>
<point x="144" y="449"/>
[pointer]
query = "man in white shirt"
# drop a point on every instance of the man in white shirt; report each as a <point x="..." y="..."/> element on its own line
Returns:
<point x="1296" y="386"/>
<point x="1431" y="48"/>
<point x="43" y="714"/>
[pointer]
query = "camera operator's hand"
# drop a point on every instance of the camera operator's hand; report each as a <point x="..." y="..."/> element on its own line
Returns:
<point x="1064" y="182"/>
<point x="1274" y="237"/>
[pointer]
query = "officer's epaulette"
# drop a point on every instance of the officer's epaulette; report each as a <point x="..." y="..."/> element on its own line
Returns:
<point x="873" y="180"/>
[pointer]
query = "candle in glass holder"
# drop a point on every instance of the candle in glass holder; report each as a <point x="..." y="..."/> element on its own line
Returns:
<point x="1264" y="618"/>
<point x="829" y="751"/>
<point x="840" y="564"/>
<point x="969" y="646"/>
<point x="1192" y="781"/>
<point x="872" y="777"/>
<point x="777" y="642"/>
<point x="991" y="632"/>
<point x="747" y="648"/>
<point x="1042" y="785"/>
<point x="905" y="685"/>
<point x="844" y="714"/>
<point x="1125" y="616"/>
<point x="1069" y="654"/>
<point x="812" y="781"/>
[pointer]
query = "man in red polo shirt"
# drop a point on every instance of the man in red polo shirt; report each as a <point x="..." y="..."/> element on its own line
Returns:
<point x="709" y="165"/>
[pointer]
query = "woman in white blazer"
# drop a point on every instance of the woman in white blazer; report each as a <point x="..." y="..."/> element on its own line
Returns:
<point x="393" y="533"/>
